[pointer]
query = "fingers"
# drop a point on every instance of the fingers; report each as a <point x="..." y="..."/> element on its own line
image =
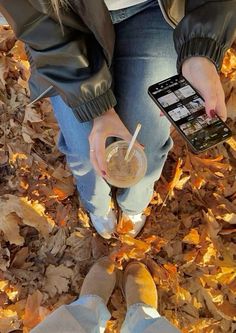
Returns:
<point x="208" y="91"/>
<point x="97" y="154"/>
<point x="98" y="151"/>
<point x="101" y="155"/>
<point x="215" y="101"/>
<point x="221" y="109"/>
<point x="202" y="73"/>
<point x="93" y="159"/>
<point x="210" y="103"/>
<point x="107" y="125"/>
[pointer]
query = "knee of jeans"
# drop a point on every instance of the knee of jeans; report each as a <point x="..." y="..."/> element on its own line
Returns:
<point x="61" y="144"/>
<point x="78" y="162"/>
<point x="156" y="158"/>
<point x="79" y="166"/>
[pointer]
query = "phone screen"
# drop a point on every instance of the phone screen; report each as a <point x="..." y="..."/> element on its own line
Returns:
<point x="185" y="108"/>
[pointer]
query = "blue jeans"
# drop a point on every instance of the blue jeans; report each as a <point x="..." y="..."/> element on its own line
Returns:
<point x="89" y="314"/>
<point x="144" y="54"/>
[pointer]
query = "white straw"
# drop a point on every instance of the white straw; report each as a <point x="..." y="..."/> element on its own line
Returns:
<point x="138" y="128"/>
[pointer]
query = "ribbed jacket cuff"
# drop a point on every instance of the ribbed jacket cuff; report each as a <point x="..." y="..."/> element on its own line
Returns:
<point x="201" y="47"/>
<point x="96" y="107"/>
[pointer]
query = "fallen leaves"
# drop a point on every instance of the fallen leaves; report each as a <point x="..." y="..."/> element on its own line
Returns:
<point x="124" y="226"/>
<point x="192" y="237"/>
<point x="57" y="279"/>
<point x="176" y="181"/>
<point x="212" y="163"/>
<point x="34" y="312"/>
<point x="229" y="63"/>
<point x="16" y="210"/>
<point x="9" y="321"/>
<point x="80" y="243"/>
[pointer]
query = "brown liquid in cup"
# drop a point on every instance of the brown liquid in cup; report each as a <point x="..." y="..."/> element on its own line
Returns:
<point x="123" y="173"/>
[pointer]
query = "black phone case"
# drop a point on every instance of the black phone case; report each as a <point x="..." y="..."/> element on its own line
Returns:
<point x="194" y="150"/>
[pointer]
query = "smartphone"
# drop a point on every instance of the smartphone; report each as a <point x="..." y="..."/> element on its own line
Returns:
<point x="184" y="107"/>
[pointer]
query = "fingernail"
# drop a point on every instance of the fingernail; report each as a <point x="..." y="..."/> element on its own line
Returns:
<point x="212" y="113"/>
<point x="104" y="173"/>
<point x="161" y="114"/>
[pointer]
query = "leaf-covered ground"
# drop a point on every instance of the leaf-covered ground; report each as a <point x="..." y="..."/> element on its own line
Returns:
<point x="48" y="244"/>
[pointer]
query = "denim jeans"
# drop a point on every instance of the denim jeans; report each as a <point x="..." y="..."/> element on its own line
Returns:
<point x="89" y="314"/>
<point x="144" y="54"/>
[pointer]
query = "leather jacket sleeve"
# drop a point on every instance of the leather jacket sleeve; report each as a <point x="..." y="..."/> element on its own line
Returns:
<point x="208" y="29"/>
<point x="71" y="61"/>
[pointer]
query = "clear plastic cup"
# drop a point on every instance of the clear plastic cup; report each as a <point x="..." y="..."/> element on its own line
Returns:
<point x="121" y="173"/>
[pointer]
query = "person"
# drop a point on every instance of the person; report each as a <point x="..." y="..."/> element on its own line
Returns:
<point x="89" y="314"/>
<point x="96" y="60"/>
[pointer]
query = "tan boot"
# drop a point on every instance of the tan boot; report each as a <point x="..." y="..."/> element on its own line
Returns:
<point x="139" y="286"/>
<point x="99" y="281"/>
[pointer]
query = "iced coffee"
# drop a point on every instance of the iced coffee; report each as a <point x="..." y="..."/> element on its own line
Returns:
<point x="123" y="172"/>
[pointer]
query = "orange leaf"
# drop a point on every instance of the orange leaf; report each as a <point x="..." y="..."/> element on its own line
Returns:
<point x="18" y="307"/>
<point x="119" y="256"/>
<point x="227" y="231"/>
<point x="198" y="182"/>
<point x="151" y="239"/>
<point x="232" y="143"/>
<point x="124" y="226"/>
<point x="135" y="242"/>
<point x="176" y="182"/>
<point x="212" y="163"/>
<point x="130" y="249"/>
<point x="172" y="270"/>
<point x="63" y="189"/>
<point x="156" y="242"/>
<point x="147" y="211"/>
<point x="61" y="195"/>
<point x="229" y="310"/>
<point x="34" y="313"/>
<point x="229" y="63"/>
<point x="192" y="237"/>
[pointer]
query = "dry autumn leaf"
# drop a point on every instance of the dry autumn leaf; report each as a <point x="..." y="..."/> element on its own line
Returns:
<point x="229" y="63"/>
<point x="159" y="274"/>
<point x="20" y="257"/>
<point x="80" y="243"/>
<point x="63" y="190"/>
<point x="124" y="226"/>
<point x="57" y="279"/>
<point x="10" y="228"/>
<point x="192" y="237"/>
<point x="9" y="321"/>
<point x="142" y="246"/>
<point x="214" y="163"/>
<point x="212" y="224"/>
<point x="34" y="312"/>
<point x="222" y="309"/>
<point x="177" y="175"/>
<point x="7" y="39"/>
<point x="30" y="213"/>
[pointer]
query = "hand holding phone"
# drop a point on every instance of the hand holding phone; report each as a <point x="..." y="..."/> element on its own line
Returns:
<point x="185" y="109"/>
<point x="202" y="74"/>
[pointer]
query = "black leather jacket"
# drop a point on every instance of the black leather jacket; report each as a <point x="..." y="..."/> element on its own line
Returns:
<point x="76" y="63"/>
